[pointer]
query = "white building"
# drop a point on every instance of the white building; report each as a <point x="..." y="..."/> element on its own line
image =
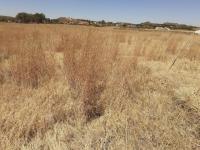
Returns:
<point x="162" y="28"/>
<point x="197" y="32"/>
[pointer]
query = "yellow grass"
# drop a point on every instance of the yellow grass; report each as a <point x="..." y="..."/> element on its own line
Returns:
<point x="75" y="87"/>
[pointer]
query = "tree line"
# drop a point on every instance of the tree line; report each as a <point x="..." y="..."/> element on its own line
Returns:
<point x="172" y="26"/>
<point x="26" y="18"/>
<point x="30" y="18"/>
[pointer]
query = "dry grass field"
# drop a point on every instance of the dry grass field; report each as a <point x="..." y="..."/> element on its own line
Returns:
<point x="73" y="88"/>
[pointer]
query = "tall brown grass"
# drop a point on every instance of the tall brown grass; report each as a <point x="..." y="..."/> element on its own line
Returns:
<point x="88" y="60"/>
<point x="71" y="87"/>
<point x="32" y="65"/>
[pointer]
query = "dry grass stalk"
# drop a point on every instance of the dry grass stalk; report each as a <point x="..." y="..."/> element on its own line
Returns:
<point x="31" y="66"/>
<point x="87" y="65"/>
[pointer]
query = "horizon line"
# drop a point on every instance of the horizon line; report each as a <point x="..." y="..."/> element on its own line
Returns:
<point x="114" y="21"/>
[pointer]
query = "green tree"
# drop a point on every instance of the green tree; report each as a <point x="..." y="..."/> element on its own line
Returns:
<point x="24" y="17"/>
<point x="30" y="18"/>
<point x="103" y="22"/>
<point x="39" y="18"/>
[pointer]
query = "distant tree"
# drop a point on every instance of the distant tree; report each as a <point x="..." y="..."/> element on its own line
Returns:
<point x="24" y="17"/>
<point x="47" y="20"/>
<point x="7" y="19"/>
<point x="30" y="18"/>
<point x="103" y="22"/>
<point x="110" y="23"/>
<point x="39" y="18"/>
<point x="55" y="21"/>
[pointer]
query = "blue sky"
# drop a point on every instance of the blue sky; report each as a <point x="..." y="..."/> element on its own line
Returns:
<point x="135" y="11"/>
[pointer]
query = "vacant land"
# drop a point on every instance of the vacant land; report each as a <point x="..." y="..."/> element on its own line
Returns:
<point x="71" y="87"/>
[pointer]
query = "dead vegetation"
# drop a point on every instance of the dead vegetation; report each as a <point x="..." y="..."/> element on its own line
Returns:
<point x="32" y="64"/>
<point x="71" y="87"/>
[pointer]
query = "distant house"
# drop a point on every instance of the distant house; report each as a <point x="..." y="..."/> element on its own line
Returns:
<point x="81" y="22"/>
<point x="168" y="29"/>
<point x="119" y="24"/>
<point x="197" y="32"/>
<point x="64" y="20"/>
<point x="162" y="29"/>
<point x="123" y="24"/>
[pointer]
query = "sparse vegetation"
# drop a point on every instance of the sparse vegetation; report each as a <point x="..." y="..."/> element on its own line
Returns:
<point x="71" y="87"/>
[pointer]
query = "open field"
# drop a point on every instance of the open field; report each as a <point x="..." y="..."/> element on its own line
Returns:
<point x="71" y="87"/>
